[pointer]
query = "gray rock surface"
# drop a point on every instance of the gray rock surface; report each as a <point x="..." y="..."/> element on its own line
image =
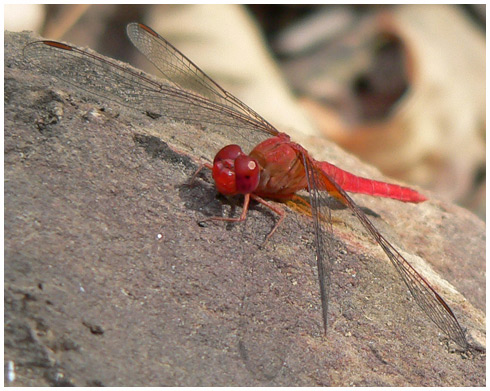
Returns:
<point x="110" y="280"/>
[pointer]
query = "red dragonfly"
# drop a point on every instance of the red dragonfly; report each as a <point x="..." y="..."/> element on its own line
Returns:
<point x="276" y="168"/>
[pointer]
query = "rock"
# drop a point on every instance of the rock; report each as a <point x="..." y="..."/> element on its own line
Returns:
<point x="101" y="228"/>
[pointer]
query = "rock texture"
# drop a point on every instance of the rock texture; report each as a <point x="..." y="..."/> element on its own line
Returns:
<point x="110" y="280"/>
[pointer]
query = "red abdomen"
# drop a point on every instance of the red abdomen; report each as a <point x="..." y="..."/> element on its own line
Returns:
<point x="355" y="184"/>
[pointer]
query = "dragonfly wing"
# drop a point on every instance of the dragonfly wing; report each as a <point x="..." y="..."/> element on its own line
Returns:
<point x="225" y="120"/>
<point x="182" y="72"/>
<point x="425" y="296"/>
<point x="323" y="230"/>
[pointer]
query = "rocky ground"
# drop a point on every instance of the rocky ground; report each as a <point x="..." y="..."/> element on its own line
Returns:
<point x="110" y="279"/>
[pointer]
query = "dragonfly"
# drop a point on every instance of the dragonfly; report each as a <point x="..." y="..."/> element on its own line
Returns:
<point x="276" y="168"/>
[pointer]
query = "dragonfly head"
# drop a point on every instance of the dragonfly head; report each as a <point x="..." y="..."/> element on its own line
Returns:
<point x="235" y="172"/>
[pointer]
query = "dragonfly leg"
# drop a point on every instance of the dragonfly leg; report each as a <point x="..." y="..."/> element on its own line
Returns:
<point x="243" y="216"/>
<point x="275" y="209"/>
<point x="201" y="166"/>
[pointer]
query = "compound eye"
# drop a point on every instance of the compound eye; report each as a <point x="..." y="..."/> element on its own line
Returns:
<point x="247" y="172"/>
<point x="224" y="169"/>
<point x="230" y="152"/>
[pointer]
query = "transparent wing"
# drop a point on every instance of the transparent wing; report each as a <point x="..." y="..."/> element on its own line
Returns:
<point x="187" y="95"/>
<point x="323" y="231"/>
<point x="179" y="70"/>
<point x="320" y="185"/>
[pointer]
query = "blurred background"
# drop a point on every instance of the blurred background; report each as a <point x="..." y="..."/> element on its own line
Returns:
<point x="402" y="87"/>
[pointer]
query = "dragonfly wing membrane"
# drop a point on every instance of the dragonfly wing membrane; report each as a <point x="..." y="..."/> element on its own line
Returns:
<point x="323" y="231"/>
<point x="182" y="72"/>
<point x="129" y="87"/>
<point x="425" y="296"/>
